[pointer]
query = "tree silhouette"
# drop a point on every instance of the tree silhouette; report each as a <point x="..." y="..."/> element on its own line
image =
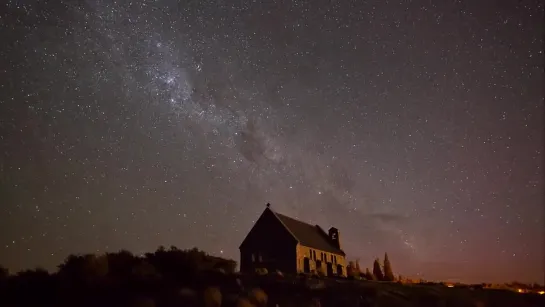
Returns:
<point x="32" y="286"/>
<point x="115" y="278"/>
<point x="121" y="265"/>
<point x="377" y="271"/>
<point x="358" y="270"/>
<point x="84" y="269"/>
<point x="369" y="275"/>
<point x="4" y="273"/>
<point x="184" y="265"/>
<point x="388" y="273"/>
<point x="351" y="269"/>
<point x="144" y="271"/>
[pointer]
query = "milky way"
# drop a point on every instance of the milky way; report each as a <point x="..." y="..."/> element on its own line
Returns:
<point x="416" y="129"/>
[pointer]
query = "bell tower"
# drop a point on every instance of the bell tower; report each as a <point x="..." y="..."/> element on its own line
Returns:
<point x="334" y="237"/>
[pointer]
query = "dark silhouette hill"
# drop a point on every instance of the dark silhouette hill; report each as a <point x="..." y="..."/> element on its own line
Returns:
<point x="174" y="277"/>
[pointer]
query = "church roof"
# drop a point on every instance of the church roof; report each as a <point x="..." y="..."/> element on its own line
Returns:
<point x="312" y="236"/>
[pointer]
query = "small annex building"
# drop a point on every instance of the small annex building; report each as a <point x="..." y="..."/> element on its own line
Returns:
<point x="279" y="242"/>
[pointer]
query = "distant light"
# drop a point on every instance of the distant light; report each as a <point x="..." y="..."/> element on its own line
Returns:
<point x="519" y="290"/>
<point x="541" y="292"/>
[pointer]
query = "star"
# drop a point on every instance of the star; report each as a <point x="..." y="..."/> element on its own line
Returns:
<point x="414" y="128"/>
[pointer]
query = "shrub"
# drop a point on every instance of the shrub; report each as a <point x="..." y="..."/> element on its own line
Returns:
<point x="244" y="302"/>
<point x="86" y="268"/>
<point x="368" y="275"/>
<point x="212" y="297"/>
<point x="4" y="273"/>
<point x="259" y="296"/>
<point x="261" y="271"/>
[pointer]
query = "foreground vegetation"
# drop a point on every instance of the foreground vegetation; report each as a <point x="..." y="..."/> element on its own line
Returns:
<point x="176" y="277"/>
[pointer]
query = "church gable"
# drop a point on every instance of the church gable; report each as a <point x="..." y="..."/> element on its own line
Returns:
<point x="286" y="228"/>
<point x="267" y="227"/>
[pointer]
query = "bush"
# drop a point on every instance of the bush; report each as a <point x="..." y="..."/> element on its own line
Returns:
<point x="261" y="271"/>
<point x="212" y="297"/>
<point x="368" y="275"/>
<point x="4" y="273"/>
<point x="259" y="297"/>
<point x="87" y="268"/>
<point x="244" y="302"/>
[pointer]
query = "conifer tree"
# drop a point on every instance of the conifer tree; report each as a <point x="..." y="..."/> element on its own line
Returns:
<point x="4" y="273"/>
<point x="388" y="273"/>
<point x="358" y="270"/>
<point x="351" y="270"/>
<point x="369" y="275"/>
<point x="377" y="271"/>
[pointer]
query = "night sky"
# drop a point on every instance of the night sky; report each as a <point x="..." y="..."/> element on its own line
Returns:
<point x="415" y="127"/>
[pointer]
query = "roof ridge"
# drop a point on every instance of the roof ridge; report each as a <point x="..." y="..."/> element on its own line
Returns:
<point x="283" y="224"/>
<point x="324" y="234"/>
<point x="300" y="231"/>
<point x="298" y="220"/>
<point x="322" y="230"/>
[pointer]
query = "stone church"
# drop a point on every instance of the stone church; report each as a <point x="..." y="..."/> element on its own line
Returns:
<point x="279" y="242"/>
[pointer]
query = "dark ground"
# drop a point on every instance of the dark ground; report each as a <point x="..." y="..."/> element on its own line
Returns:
<point x="219" y="289"/>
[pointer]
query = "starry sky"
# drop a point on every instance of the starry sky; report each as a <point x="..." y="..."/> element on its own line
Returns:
<point x="415" y="127"/>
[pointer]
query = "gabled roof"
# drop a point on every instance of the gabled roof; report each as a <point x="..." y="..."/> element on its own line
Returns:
<point x="312" y="236"/>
